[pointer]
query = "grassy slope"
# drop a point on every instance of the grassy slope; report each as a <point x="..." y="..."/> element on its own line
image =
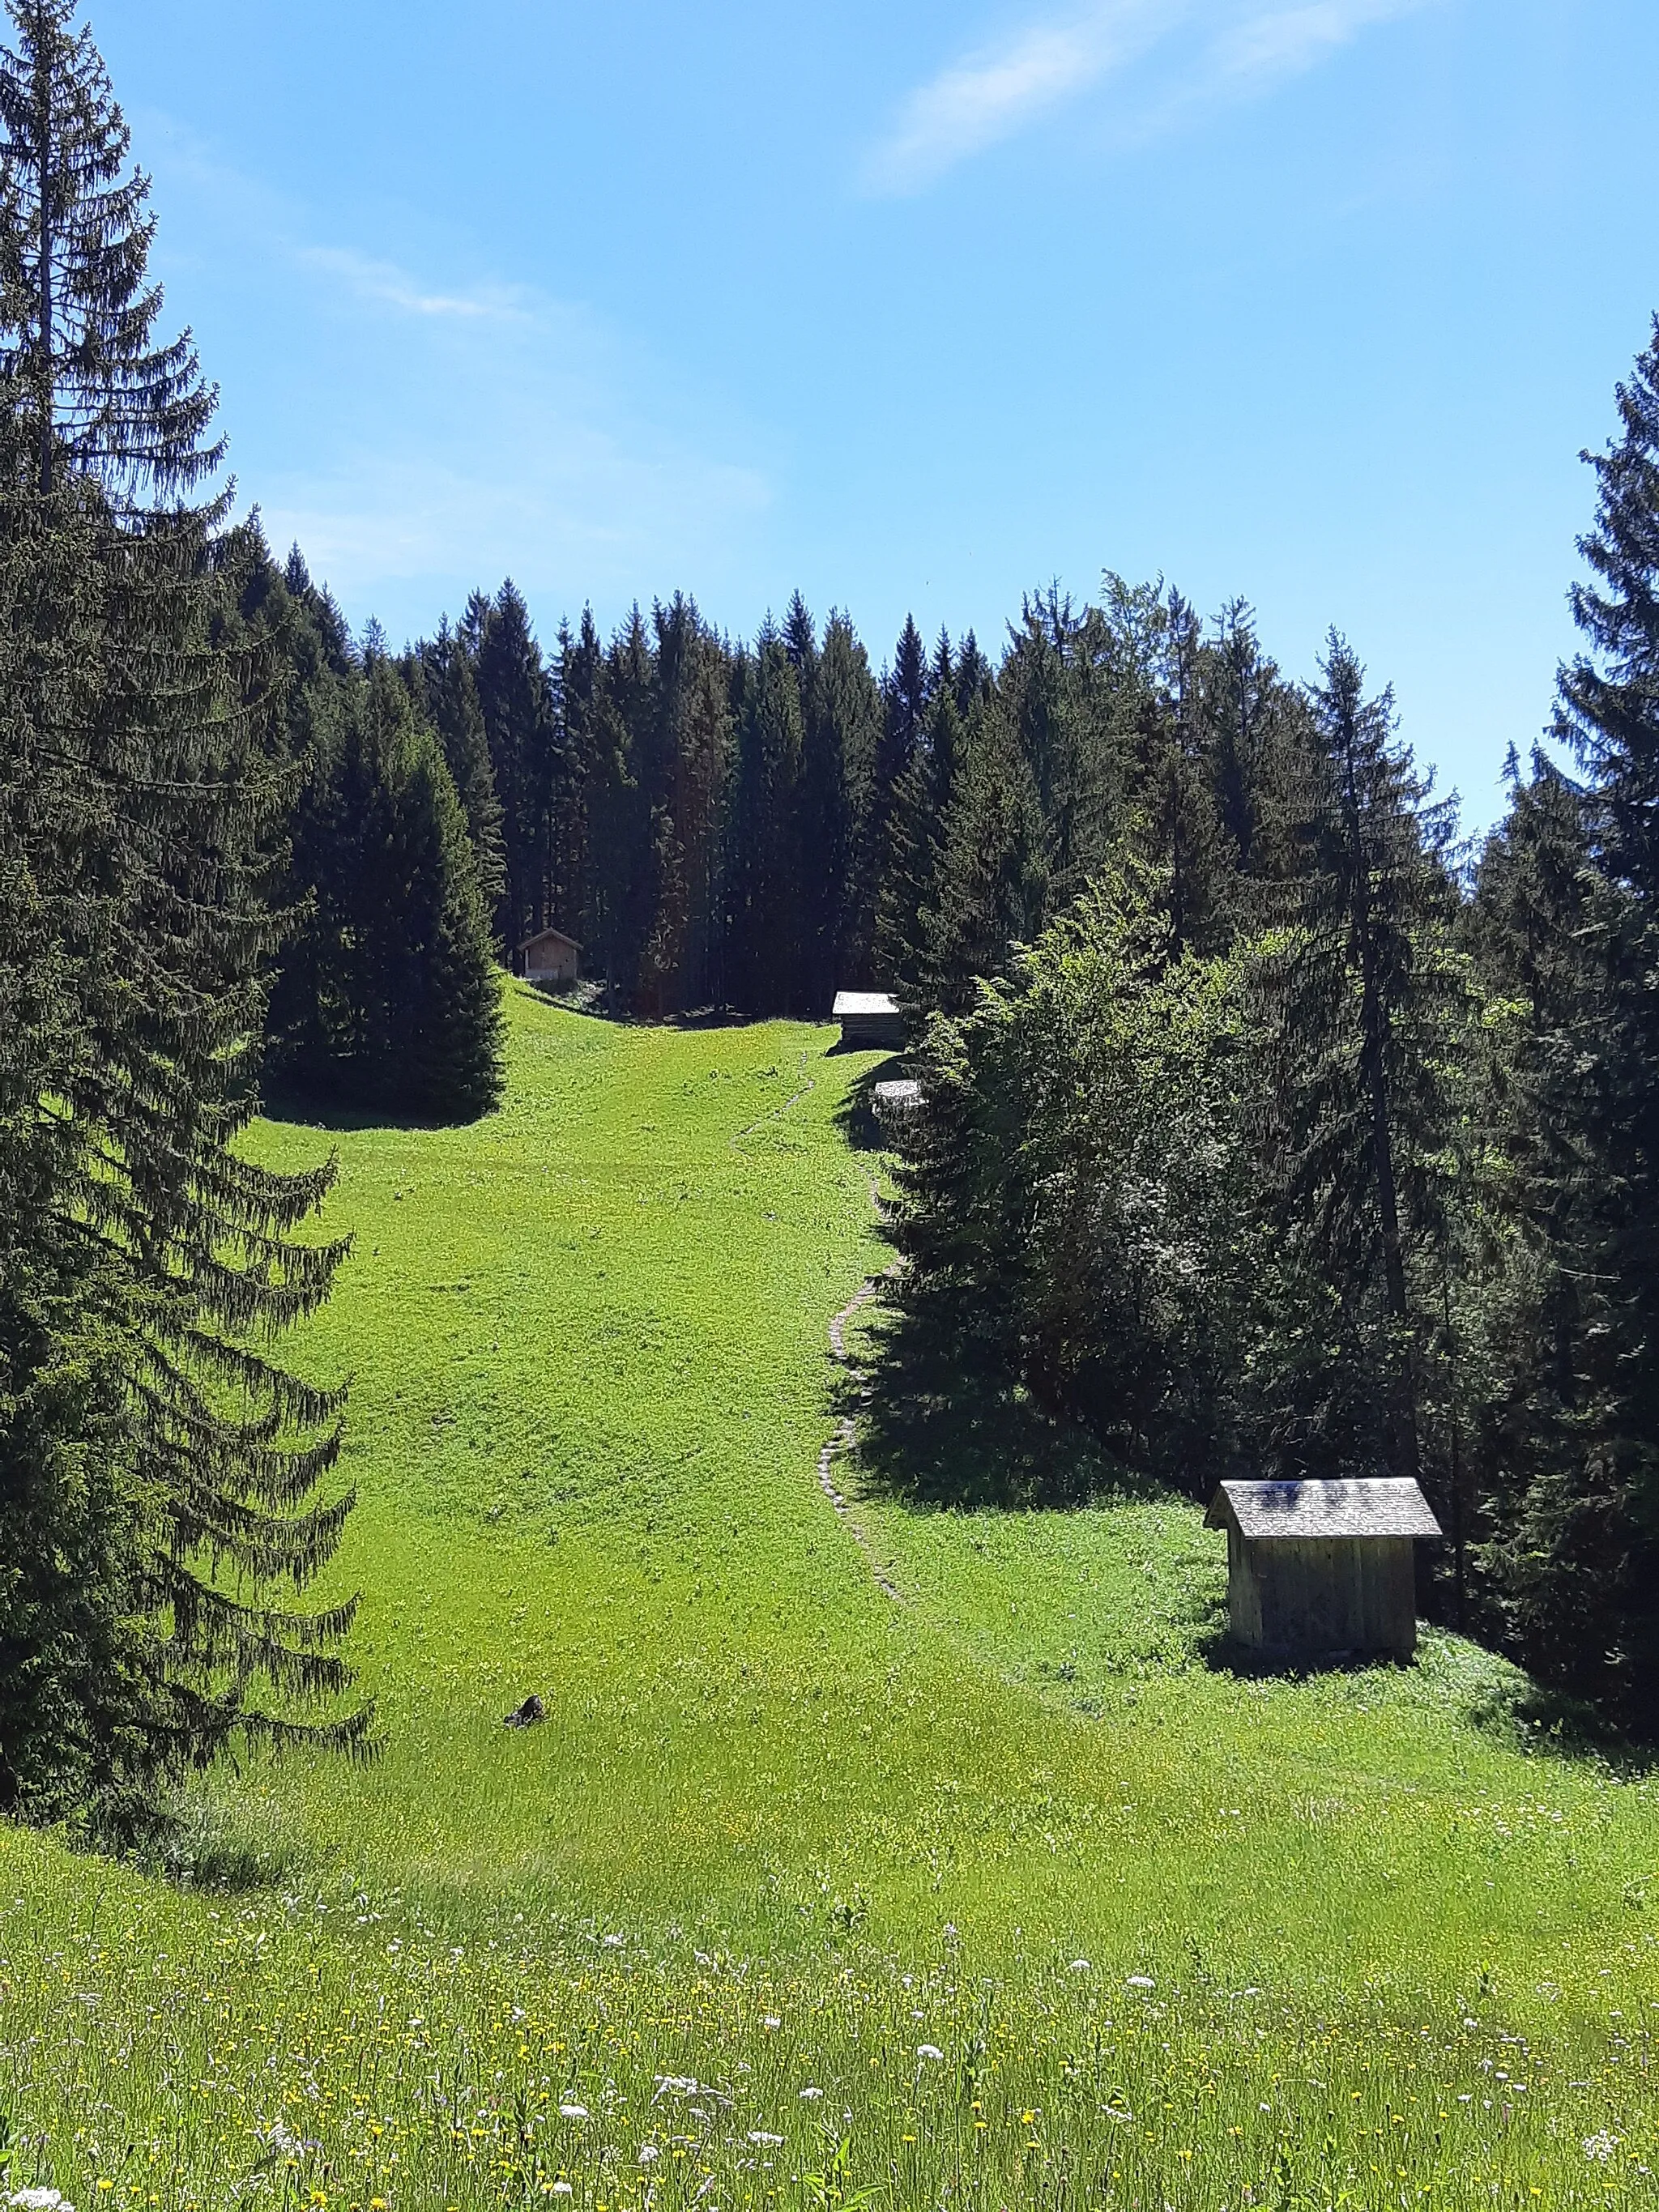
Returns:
<point x="588" y="1336"/>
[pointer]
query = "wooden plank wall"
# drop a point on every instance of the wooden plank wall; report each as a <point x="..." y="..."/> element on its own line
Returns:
<point x="1324" y="1593"/>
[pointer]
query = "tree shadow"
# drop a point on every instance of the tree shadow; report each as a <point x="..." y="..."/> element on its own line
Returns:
<point x="856" y="1116"/>
<point x="942" y="1432"/>
<point x="299" y="1107"/>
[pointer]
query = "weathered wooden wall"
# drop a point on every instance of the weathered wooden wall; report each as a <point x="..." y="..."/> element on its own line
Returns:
<point x="552" y="963"/>
<point x="1324" y="1594"/>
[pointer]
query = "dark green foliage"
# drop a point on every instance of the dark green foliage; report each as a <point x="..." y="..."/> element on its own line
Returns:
<point x="448" y="691"/>
<point x="159" y="1472"/>
<point x="516" y="701"/>
<point x="1570" y="913"/>
<point x="1365" y="996"/>
<point x="763" y="951"/>
<point x="389" y="997"/>
<point x="1076" y="1218"/>
<point x="96" y="394"/>
<point x="988" y="885"/>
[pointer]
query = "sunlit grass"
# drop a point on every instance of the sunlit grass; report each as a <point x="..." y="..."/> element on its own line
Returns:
<point x="1177" y="1938"/>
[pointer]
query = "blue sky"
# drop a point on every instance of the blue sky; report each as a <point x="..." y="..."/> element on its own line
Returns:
<point x="919" y="306"/>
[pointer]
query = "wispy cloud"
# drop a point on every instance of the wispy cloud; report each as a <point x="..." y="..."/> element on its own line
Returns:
<point x="1179" y="54"/>
<point x="419" y="425"/>
<point x="383" y="283"/>
<point x="497" y="430"/>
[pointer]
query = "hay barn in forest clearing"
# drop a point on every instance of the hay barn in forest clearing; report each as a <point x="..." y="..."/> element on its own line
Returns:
<point x="870" y="1021"/>
<point x="1320" y="1570"/>
<point x="549" y="957"/>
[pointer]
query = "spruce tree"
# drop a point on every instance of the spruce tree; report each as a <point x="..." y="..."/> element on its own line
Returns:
<point x="851" y="736"/>
<point x="1361" y="989"/>
<point x="389" y="998"/>
<point x="1584" y="1584"/>
<point x="449" y="694"/>
<point x="764" y="868"/>
<point x="991" y="882"/>
<point x="521" y="726"/>
<point x="146" y="1258"/>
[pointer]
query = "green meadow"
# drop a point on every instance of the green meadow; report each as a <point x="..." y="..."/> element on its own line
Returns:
<point x="898" y="1858"/>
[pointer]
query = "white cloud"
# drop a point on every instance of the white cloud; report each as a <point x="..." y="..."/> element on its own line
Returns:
<point x="1280" y="42"/>
<point x="420" y="431"/>
<point x="989" y="95"/>
<point x="1196" y="52"/>
<point x="384" y="283"/>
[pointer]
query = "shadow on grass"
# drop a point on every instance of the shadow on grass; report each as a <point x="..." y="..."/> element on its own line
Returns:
<point x="940" y="1434"/>
<point x="856" y="1116"/>
<point x="309" y="1109"/>
<point x="1547" y="1723"/>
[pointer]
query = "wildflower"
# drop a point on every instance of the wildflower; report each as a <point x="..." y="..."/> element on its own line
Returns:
<point x="760" y="2136"/>
<point x="649" y="2154"/>
<point x="809" y="2095"/>
<point x="1079" y="1965"/>
<point x="573" y="2111"/>
<point x="1600" y="2147"/>
<point x="562" y="2189"/>
<point x="771" y="2021"/>
<point x="1141" y="1982"/>
<point x="929" y="2051"/>
<point x="38" y="2200"/>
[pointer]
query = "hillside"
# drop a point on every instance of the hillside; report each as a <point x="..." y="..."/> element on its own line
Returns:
<point x="917" y="1853"/>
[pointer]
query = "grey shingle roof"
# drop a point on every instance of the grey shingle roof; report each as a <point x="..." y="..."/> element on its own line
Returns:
<point x="1372" y="1505"/>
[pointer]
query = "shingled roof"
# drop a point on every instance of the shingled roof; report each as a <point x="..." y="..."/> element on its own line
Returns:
<point x="1369" y="1505"/>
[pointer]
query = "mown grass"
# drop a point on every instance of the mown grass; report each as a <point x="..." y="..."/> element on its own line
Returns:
<point x="1047" y="1910"/>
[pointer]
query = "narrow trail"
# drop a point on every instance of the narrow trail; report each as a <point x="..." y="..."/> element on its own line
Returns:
<point x="846" y="1431"/>
<point x="845" y="1437"/>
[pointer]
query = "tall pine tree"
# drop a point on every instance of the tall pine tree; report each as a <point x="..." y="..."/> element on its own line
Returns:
<point x="147" y="1259"/>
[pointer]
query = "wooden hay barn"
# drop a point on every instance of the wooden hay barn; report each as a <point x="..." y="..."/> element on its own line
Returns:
<point x="1323" y="1570"/>
<point x="549" y="957"/>
<point x="895" y="1102"/>
<point x="870" y="1021"/>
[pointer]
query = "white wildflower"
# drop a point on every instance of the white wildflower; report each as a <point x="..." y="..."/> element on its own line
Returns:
<point x="1141" y="1982"/>
<point x="573" y="2111"/>
<point x="760" y="2136"/>
<point x="1079" y="1965"/>
<point x="1600" y="2147"/>
<point x="562" y="2189"/>
<point x="649" y="2154"/>
<point x="39" y="2200"/>
<point x="677" y="2085"/>
<point x="929" y="2051"/>
<point x="771" y="2021"/>
<point x="809" y="2095"/>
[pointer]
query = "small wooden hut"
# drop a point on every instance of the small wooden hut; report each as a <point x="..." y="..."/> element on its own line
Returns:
<point x="895" y="1102"/>
<point x="870" y="1021"/>
<point x="1324" y="1568"/>
<point x="549" y="957"/>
